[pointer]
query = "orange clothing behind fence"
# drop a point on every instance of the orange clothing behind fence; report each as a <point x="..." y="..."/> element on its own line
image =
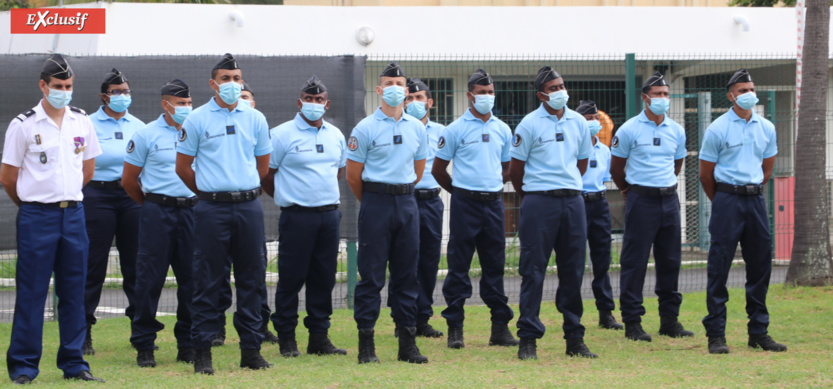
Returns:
<point x="606" y="133"/>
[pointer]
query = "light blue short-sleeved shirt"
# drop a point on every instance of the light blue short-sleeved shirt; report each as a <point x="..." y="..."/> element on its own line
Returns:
<point x="434" y="131"/>
<point x="551" y="149"/>
<point x="224" y="146"/>
<point x="388" y="148"/>
<point x="650" y="149"/>
<point x="478" y="149"/>
<point x="113" y="137"/>
<point x="153" y="149"/>
<point x="307" y="160"/>
<point x="598" y="169"/>
<point x="739" y="148"/>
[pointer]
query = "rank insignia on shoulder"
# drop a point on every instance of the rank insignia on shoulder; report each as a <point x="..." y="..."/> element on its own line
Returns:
<point x="76" y="109"/>
<point x="25" y="115"/>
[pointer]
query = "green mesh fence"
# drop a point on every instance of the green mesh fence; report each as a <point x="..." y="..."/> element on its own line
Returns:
<point x="614" y="83"/>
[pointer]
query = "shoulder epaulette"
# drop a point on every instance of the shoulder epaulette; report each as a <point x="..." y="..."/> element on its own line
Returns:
<point x="76" y="109"/>
<point x="25" y="115"/>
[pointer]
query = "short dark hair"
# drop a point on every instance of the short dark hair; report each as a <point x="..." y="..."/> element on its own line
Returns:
<point x="46" y="78"/>
<point x="213" y="73"/>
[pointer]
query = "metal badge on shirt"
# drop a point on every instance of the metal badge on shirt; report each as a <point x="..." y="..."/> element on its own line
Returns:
<point x="657" y="141"/>
<point x="119" y="135"/>
<point x="230" y="130"/>
<point x="397" y="139"/>
<point x="319" y="148"/>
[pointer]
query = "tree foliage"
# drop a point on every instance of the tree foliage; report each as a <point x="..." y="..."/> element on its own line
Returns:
<point x="6" y="5"/>
<point x="765" y="3"/>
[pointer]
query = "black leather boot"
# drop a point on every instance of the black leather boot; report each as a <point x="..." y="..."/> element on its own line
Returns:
<point x="367" y="347"/>
<point x="527" y="349"/>
<point x="408" y="350"/>
<point x="577" y="348"/>
<point x="251" y="358"/>
<point x="501" y="336"/>
<point x="202" y="363"/>
<point x="669" y="326"/>
<point x="455" y="337"/>
<point x="320" y="344"/>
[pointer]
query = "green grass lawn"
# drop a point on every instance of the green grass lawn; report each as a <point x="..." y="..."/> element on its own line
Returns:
<point x="801" y="318"/>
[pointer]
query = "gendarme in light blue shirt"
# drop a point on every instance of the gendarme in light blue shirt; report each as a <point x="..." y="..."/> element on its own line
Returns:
<point x="434" y="131"/>
<point x="113" y="137"/>
<point x="739" y="148"/>
<point x="478" y="149"/>
<point x="551" y="149"/>
<point x="224" y="145"/>
<point x="598" y="169"/>
<point x="650" y="149"/>
<point x="307" y="160"/>
<point x="388" y="148"/>
<point x="153" y="149"/>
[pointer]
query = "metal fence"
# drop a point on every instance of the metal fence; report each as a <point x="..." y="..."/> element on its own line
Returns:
<point x="698" y="96"/>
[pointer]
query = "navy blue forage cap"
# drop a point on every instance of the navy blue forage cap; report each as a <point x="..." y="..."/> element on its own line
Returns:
<point x="480" y="77"/>
<point x="227" y="62"/>
<point x="56" y="66"/>
<point x="393" y="70"/>
<point x="176" y="87"/>
<point x="656" y="79"/>
<point x="545" y="75"/>
<point x="247" y="88"/>
<point x="741" y="75"/>
<point x="416" y="85"/>
<point x="314" y="86"/>
<point x="587" y="107"/>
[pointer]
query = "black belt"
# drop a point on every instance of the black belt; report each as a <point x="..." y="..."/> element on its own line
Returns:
<point x="427" y="194"/>
<point x="594" y="196"/>
<point x="179" y="202"/>
<point x="556" y="192"/>
<point x="481" y="196"/>
<point x="323" y="208"/>
<point x="392" y="189"/>
<point x="106" y="184"/>
<point x="746" y="189"/>
<point x="653" y="191"/>
<point x="59" y="204"/>
<point x="230" y="197"/>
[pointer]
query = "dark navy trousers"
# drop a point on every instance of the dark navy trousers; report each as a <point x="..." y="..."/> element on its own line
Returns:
<point x="479" y="225"/>
<point x="552" y="223"/>
<point x="430" y="244"/>
<point x="49" y="239"/>
<point x="388" y="237"/>
<point x="598" y="238"/>
<point x="227" y="234"/>
<point x="307" y="254"/>
<point x="226" y="299"/>
<point x="165" y="240"/>
<point x="650" y="221"/>
<point x="738" y="218"/>
<point x="109" y="213"/>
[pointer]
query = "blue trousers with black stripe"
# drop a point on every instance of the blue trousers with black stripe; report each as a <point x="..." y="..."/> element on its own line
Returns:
<point x="49" y="240"/>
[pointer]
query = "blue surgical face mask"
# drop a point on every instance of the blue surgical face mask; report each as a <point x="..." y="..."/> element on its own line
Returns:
<point x="558" y="99"/>
<point x="416" y="109"/>
<point x="245" y="102"/>
<point x="484" y="103"/>
<point x="394" y="95"/>
<point x="747" y="100"/>
<point x="312" y="111"/>
<point x="230" y="92"/>
<point x="180" y="113"/>
<point x="59" y="98"/>
<point x="120" y="103"/>
<point x="595" y="126"/>
<point x="659" y="105"/>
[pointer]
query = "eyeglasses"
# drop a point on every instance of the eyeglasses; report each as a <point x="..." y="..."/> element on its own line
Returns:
<point x="117" y="92"/>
